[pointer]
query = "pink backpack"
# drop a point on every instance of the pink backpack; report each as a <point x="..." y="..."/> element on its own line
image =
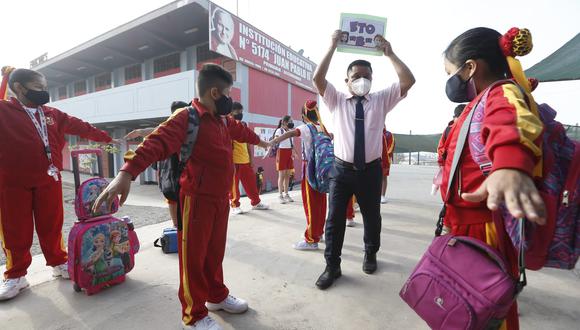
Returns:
<point x="101" y="247"/>
<point x="556" y="244"/>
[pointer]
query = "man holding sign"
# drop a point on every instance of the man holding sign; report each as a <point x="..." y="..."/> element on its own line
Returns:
<point x="358" y="119"/>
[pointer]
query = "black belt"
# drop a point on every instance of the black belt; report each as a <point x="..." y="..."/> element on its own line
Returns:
<point x="351" y="166"/>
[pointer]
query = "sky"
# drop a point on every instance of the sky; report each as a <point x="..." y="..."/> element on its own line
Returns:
<point x="419" y="32"/>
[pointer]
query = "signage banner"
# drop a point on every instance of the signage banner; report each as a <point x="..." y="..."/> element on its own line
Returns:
<point x="233" y="37"/>
<point x="359" y="33"/>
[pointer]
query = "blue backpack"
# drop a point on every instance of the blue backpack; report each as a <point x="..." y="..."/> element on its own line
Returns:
<point x="320" y="161"/>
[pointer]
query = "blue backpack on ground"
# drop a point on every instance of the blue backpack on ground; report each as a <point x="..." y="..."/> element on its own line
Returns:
<point x="167" y="242"/>
<point x="320" y="161"/>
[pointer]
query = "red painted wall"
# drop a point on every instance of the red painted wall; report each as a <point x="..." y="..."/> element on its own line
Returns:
<point x="268" y="95"/>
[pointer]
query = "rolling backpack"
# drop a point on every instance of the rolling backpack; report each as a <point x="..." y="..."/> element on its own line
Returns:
<point x="320" y="161"/>
<point x="557" y="243"/>
<point x="101" y="247"/>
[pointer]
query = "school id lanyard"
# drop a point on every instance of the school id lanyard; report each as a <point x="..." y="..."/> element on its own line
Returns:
<point x="42" y="130"/>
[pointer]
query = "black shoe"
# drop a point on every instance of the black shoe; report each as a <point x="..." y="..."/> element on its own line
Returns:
<point x="327" y="277"/>
<point x="370" y="263"/>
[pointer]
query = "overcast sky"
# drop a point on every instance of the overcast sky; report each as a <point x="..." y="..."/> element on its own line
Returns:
<point x="418" y="30"/>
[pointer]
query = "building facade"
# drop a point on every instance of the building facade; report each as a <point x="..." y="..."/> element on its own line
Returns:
<point x="127" y="78"/>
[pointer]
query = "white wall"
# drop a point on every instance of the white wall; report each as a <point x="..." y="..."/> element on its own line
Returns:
<point x="146" y="99"/>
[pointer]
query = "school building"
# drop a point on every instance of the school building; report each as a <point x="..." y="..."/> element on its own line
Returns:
<point x="127" y="78"/>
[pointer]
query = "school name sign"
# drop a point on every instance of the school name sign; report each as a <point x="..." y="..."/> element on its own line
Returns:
<point x="239" y="40"/>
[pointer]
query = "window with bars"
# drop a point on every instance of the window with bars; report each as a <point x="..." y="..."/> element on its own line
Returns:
<point x="80" y="87"/>
<point x="103" y="81"/>
<point x="167" y="65"/>
<point x="133" y="74"/>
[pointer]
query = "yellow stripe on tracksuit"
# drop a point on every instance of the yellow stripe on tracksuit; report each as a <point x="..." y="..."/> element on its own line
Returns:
<point x="234" y="192"/>
<point x="528" y="121"/>
<point x="7" y="252"/>
<point x="308" y="206"/>
<point x="184" y="272"/>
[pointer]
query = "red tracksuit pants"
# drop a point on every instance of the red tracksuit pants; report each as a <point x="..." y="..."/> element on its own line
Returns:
<point x="245" y="174"/>
<point x="314" y="203"/>
<point x="22" y="208"/>
<point x="202" y="243"/>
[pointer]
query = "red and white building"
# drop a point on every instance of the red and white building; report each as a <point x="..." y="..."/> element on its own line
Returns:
<point x="127" y="78"/>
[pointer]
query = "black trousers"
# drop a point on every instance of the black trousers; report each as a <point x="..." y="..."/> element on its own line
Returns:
<point x="365" y="184"/>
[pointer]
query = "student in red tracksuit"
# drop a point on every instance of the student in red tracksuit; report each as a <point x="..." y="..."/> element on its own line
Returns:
<point x="205" y="185"/>
<point x="244" y="171"/>
<point x="386" y="160"/>
<point x="511" y="132"/>
<point x="31" y="143"/>
<point x="314" y="202"/>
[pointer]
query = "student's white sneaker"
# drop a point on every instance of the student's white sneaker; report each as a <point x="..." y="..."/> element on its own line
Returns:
<point x="237" y="210"/>
<point x="384" y="200"/>
<point x="60" y="271"/>
<point x="207" y="323"/>
<point x="350" y="222"/>
<point x="305" y="246"/>
<point x="321" y="240"/>
<point x="356" y="207"/>
<point x="288" y="198"/>
<point x="10" y="288"/>
<point x="231" y="305"/>
<point x="282" y="199"/>
<point x="261" y="206"/>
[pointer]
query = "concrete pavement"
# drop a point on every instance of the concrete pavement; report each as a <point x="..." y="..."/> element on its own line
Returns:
<point x="278" y="282"/>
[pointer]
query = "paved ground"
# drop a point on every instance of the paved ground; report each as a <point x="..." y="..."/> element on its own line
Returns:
<point x="278" y="282"/>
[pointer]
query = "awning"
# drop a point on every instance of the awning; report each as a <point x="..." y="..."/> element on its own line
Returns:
<point x="563" y="64"/>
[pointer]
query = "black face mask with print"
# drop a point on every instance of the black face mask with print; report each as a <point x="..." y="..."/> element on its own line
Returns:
<point x="290" y="125"/>
<point x="238" y="116"/>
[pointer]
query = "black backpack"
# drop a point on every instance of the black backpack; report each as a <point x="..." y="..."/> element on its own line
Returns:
<point x="170" y="169"/>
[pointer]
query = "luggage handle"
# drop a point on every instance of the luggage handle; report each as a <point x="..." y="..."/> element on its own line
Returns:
<point x="75" y="163"/>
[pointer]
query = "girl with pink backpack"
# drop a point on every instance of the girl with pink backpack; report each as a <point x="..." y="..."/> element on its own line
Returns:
<point x="480" y="61"/>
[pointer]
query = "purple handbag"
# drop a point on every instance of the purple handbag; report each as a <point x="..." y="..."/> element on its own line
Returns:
<point x="461" y="282"/>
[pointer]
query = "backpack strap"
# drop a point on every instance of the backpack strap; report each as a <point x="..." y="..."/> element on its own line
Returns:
<point x="313" y="132"/>
<point x="185" y="153"/>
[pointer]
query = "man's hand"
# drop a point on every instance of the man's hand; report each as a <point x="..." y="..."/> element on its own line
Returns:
<point x="335" y="39"/>
<point x="121" y="185"/>
<point x="516" y="189"/>
<point x="384" y="45"/>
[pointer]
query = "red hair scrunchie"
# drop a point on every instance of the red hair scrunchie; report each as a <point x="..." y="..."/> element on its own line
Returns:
<point x="506" y="41"/>
<point x="310" y="104"/>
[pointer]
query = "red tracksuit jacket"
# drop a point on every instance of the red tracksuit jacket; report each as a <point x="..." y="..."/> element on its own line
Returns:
<point x="512" y="136"/>
<point x="22" y="154"/>
<point x="210" y="169"/>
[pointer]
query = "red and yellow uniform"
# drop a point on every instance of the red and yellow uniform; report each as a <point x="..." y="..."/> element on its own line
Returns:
<point x="388" y="150"/>
<point x="512" y="136"/>
<point x="28" y="196"/>
<point x="244" y="173"/>
<point x="205" y="186"/>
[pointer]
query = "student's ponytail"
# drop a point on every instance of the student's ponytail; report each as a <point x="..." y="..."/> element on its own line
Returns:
<point x="277" y="128"/>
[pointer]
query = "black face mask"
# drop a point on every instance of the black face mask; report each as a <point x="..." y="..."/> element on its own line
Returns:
<point x="311" y="115"/>
<point x="290" y="125"/>
<point x="37" y="97"/>
<point x="460" y="91"/>
<point x="238" y="116"/>
<point x="223" y="105"/>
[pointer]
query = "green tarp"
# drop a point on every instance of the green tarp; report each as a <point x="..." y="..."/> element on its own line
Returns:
<point x="563" y="64"/>
<point x="414" y="143"/>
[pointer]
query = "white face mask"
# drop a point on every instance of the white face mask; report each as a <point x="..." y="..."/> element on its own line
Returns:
<point x="361" y="86"/>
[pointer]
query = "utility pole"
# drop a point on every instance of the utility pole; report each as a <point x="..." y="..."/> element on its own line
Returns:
<point x="410" y="133"/>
